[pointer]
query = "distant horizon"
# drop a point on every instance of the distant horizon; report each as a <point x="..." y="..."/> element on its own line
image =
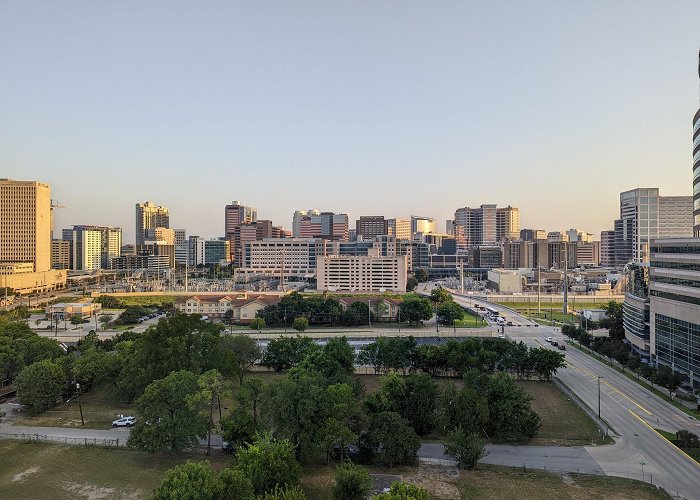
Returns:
<point x="391" y="108"/>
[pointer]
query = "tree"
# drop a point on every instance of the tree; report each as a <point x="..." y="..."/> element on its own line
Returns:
<point x="352" y="482"/>
<point x="391" y="440"/>
<point x="268" y="464"/>
<point x="168" y="420"/>
<point x="91" y="367"/>
<point x="613" y="320"/>
<point x="252" y="394"/>
<point x="669" y="379"/>
<point x="449" y="312"/>
<point x="416" y="310"/>
<point x="403" y="491"/>
<point x="104" y="320"/>
<point x="76" y="320"/>
<point x="300" y="324"/>
<point x="297" y="406"/>
<point x="212" y="387"/>
<point x="440" y="296"/>
<point x="190" y="481"/>
<point x="411" y="284"/>
<point x="545" y="362"/>
<point x="465" y="447"/>
<point x="257" y="324"/>
<point x="340" y="350"/>
<point x="421" y="275"/>
<point x="245" y="350"/>
<point x="39" y="384"/>
<point x="464" y="408"/>
<point x="179" y="342"/>
<point x="286" y="352"/>
<point x="234" y="485"/>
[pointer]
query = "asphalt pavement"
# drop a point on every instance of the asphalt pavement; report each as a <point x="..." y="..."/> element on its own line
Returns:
<point x="640" y="452"/>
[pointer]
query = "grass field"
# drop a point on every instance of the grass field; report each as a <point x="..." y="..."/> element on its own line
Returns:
<point x="470" y="321"/>
<point x="100" y="408"/>
<point x="31" y="470"/>
<point x="552" y="309"/>
<point x="563" y="422"/>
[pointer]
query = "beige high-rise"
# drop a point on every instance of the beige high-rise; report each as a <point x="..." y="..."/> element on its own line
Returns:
<point x="25" y="223"/>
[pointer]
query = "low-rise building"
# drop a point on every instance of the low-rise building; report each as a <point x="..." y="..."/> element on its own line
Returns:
<point x="505" y="280"/>
<point x="243" y="306"/>
<point x="68" y="310"/>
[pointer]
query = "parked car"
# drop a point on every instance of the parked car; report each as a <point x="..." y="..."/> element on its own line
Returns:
<point x="562" y="347"/>
<point x="548" y="339"/>
<point x="510" y="323"/>
<point x="555" y="343"/>
<point x="124" y="422"/>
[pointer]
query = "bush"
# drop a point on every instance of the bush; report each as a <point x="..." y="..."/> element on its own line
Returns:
<point x="403" y="491"/>
<point x="300" y="324"/>
<point x="465" y="447"/>
<point x="352" y="482"/>
<point x="268" y="464"/>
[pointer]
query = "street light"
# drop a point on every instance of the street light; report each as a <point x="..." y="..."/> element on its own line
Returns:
<point x="77" y="386"/>
<point x="598" y="396"/>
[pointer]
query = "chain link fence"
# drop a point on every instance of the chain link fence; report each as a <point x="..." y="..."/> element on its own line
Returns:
<point x="103" y="442"/>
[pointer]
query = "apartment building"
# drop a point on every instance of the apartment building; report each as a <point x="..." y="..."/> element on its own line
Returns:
<point x="60" y="254"/>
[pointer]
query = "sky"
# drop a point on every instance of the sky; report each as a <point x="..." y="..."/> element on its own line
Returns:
<point x="366" y="107"/>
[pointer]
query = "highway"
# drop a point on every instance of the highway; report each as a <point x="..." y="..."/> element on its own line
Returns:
<point x="632" y="411"/>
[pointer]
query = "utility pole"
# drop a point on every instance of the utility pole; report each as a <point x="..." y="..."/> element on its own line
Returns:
<point x="369" y="312"/>
<point x="539" y="284"/>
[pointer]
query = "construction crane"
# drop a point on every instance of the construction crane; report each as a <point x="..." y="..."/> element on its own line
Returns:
<point x="54" y="204"/>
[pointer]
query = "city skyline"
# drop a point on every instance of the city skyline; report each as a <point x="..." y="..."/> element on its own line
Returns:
<point x="397" y="112"/>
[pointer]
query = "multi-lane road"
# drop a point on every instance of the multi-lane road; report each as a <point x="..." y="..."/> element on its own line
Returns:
<point x="631" y="410"/>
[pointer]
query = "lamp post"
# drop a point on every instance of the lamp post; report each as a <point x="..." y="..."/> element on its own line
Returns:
<point x="598" y="396"/>
<point x="77" y="386"/>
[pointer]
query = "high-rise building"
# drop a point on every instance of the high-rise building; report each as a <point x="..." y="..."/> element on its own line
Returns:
<point x="486" y="225"/>
<point x="422" y="225"/>
<point x="644" y="216"/>
<point x="324" y="225"/>
<point x="607" y="248"/>
<point x="696" y="171"/>
<point x="60" y="254"/>
<point x="25" y="223"/>
<point x="161" y="234"/>
<point x="533" y="234"/>
<point x="236" y="215"/>
<point x="93" y="247"/>
<point x="369" y="226"/>
<point x="150" y="216"/>
<point x="399" y="228"/>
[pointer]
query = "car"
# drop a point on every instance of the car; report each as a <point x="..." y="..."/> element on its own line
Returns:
<point x="510" y="323"/>
<point x="548" y="339"/>
<point x="124" y="422"/>
<point x="562" y="347"/>
<point x="501" y="336"/>
<point x="555" y="343"/>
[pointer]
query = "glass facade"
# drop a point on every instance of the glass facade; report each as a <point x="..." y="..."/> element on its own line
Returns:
<point x="696" y="174"/>
<point x="678" y="344"/>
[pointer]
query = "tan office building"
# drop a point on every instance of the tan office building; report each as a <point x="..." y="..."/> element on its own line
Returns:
<point x="25" y="223"/>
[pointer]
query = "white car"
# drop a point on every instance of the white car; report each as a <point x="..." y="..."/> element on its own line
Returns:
<point x="124" y="422"/>
<point x="548" y="339"/>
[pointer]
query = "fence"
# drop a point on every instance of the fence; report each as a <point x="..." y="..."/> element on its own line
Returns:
<point x="103" y="442"/>
<point x="604" y="426"/>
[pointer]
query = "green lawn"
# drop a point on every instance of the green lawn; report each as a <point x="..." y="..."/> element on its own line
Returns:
<point x="471" y="321"/>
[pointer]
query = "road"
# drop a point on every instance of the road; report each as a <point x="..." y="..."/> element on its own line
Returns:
<point x="631" y="410"/>
<point x="559" y="458"/>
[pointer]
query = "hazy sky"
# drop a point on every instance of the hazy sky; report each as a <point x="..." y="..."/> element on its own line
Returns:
<point x="365" y="107"/>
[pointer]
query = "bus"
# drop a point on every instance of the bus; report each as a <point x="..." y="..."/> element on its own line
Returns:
<point x="492" y="312"/>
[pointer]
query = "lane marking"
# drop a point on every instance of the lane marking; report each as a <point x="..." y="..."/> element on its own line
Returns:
<point x="604" y="382"/>
<point x="692" y="460"/>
